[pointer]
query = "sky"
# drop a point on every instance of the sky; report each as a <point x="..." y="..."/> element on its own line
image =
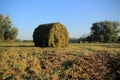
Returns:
<point x="76" y="15"/>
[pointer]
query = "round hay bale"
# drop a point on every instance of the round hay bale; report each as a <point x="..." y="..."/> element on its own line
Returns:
<point x="51" y="35"/>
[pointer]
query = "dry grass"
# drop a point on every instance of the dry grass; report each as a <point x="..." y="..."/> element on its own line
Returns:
<point x="23" y="61"/>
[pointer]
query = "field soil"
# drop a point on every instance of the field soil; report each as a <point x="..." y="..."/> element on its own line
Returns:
<point x="87" y="61"/>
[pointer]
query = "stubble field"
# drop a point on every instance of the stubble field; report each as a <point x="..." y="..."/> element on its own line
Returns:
<point x="90" y="61"/>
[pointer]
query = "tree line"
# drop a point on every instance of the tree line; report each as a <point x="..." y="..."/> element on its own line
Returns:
<point x="7" y="31"/>
<point x="104" y="31"/>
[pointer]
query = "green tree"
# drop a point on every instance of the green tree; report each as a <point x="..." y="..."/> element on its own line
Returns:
<point x="105" y="31"/>
<point x="118" y="39"/>
<point x="101" y="38"/>
<point x="8" y="28"/>
<point x="1" y="27"/>
<point x="13" y="33"/>
<point x="7" y="31"/>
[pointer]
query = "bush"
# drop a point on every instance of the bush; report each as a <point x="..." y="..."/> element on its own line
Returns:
<point x="51" y="35"/>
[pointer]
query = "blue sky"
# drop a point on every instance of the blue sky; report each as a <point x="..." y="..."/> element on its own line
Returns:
<point x="76" y="15"/>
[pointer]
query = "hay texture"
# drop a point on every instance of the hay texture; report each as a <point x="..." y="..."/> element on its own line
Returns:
<point x="51" y="35"/>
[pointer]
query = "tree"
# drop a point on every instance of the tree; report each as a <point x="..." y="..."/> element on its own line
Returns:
<point x="118" y="39"/>
<point x="1" y="27"/>
<point x="7" y="31"/>
<point x="105" y="31"/>
<point x="8" y="27"/>
<point x="101" y="38"/>
<point x="14" y="33"/>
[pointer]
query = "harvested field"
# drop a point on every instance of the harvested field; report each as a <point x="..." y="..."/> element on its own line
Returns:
<point x="23" y="61"/>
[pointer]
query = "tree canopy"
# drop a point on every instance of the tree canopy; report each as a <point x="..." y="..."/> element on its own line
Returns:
<point x="104" y="31"/>
<point x="7" y="31"/>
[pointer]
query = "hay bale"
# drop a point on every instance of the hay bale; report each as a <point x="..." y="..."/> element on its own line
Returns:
<point x="51" y="35"/>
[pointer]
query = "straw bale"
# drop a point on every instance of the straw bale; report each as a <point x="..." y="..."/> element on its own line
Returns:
<point x="51" y="35"/>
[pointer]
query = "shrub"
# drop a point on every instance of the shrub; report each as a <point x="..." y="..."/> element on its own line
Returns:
<point x="51" y="35"/>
